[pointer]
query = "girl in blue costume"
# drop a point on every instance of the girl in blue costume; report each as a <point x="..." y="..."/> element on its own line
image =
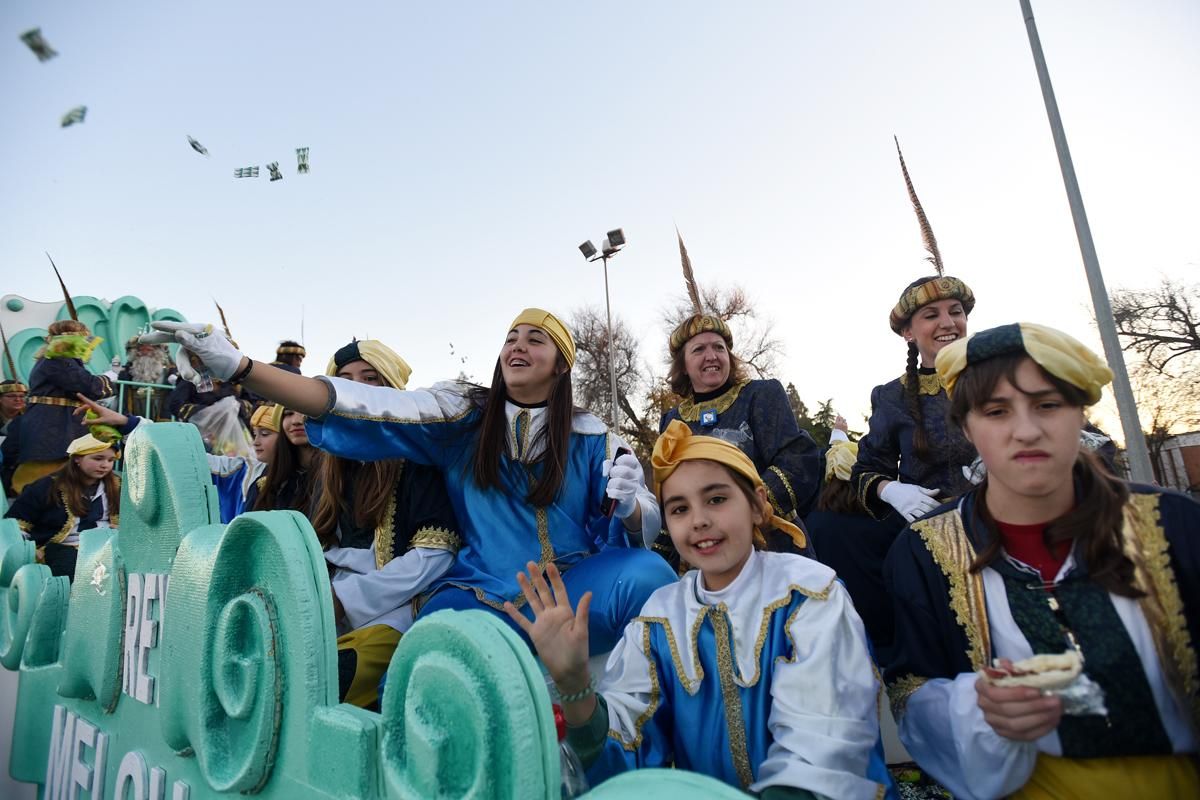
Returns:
<point x="753" y="668"/>
<point x="1051" y="554"/>
<point x="525" y="470"/>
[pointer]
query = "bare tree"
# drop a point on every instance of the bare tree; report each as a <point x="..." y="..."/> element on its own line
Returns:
<point x="753" y="337"/>
<point x="637" y="389"/>
<point x="1161" y="324"/>
<point x="1169" y="403"/>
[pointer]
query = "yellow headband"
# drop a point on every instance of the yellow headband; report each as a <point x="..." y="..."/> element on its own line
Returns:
<point x="677" y="444"/>
<point x="553" y="328"/>
<point x="387" y="362"/>
<point x="269" y="416"/>
<point x="1061" y="355"/>
<point x="840" y="459"/>
<point x="86" y="445"/>
<point x="13" y="387"/>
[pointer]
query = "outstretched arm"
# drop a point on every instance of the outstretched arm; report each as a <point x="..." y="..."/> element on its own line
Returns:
<point x="306" y="395"/>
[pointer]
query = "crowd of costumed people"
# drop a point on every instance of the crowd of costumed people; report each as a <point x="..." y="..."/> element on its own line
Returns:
<point x="738" y="603"/>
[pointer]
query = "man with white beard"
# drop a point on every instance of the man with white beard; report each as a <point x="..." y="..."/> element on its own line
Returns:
<point x="147" y="363"/>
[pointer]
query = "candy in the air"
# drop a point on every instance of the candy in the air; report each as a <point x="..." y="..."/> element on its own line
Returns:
<point x="74" y="115"/>
<point x="276" y="175"/>
<point x="302" y="160"/>
<point x="199" y="148"/>
<point x="246" y="172"/>
<point x="38" y="45"/>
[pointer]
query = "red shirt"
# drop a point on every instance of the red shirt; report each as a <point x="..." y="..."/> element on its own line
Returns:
<point x="1027" y="544"/>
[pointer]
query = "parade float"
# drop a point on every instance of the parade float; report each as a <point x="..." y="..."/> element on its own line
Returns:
<point x="191" y="659"/>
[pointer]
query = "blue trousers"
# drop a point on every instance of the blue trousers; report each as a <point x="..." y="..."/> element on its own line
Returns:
<point x="620" y="580"/>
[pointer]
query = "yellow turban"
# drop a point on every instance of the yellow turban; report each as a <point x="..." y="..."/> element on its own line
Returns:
<point x="269" y="416"/>
<point x="553" y="328"/>
<point x="391" y="367"/>
<point x="86" y="445"/>
<point x="1061" y="355"/>
<point x="696" y="325"/>
<point x="678" y="444"/>
<point x="840" y="459"/>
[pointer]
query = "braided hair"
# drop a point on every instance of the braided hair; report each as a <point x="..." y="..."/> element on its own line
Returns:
<point x="912" y="396"/>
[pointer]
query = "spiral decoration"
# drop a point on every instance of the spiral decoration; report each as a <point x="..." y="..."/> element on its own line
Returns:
<point x="246" y="617"/>
<point x="20" y="608"/>
<point x="466" y="713"/>
<point x="95" y="627"/>
<point x="15" y="551"/>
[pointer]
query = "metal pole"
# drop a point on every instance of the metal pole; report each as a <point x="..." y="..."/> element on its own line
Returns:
<point x="1135" y="441"/>
<point x="612" y="351"/>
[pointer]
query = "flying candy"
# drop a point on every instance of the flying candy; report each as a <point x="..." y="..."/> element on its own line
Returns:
<point x="74" y="115"/>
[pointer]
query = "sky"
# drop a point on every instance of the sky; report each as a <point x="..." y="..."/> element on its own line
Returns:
<point x="461" y="151"/>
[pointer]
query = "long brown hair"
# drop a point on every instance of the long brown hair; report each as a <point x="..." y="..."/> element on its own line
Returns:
<point x="284" y="466"/>
<point x="1094" y="523"/>
<point x="373" y="484"/>
<point x="71" y="482"/>
<point x="555" y="436"/>
<point x="681" y="384"/>
<point x="838" y="497"/>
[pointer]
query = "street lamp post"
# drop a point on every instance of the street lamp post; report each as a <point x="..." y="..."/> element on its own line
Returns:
<point x="611" y="245"/>
<point x="1135" y="440"/>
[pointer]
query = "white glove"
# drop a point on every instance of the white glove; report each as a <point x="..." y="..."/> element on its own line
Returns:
<point x="625" y="480"/>
<point x="910" y="500"/>
<point x="202" y="340"/>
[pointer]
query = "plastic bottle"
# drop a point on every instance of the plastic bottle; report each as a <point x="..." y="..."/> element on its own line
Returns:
<point x="574" y="781"/>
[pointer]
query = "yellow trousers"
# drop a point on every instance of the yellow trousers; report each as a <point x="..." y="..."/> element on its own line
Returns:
<point x="1112" y="778"/>
<point x="373" y="647"/>
<point x="29" y="471"/>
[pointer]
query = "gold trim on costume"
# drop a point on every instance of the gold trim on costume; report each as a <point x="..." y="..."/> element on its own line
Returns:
<point x="689" y="411"/>
<point x="926" y="384"/>
<point x="543" y="534"/>
<point x="946" y="539"/>
<point x="735" y="723"/>
<point x="651" y="707"/>
<point x="71" y="522"/>
<point x="385" y="532"/>
<point x="25" y="525"/>
<point x="901" y="689"/>
<point x="436" y="538"/>
<point x="46" y="400"/>
<point x="786" y="485"/>
<point x="1145" y="543"/>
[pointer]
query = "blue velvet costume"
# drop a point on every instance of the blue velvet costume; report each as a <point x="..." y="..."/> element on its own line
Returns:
<point x="50" y="424"/>
<point x="756" y="416"/>
<point x="501" y="530"/>
<point x="887" y="451"/>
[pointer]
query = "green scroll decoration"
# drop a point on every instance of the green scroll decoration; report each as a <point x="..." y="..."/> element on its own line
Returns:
<point x="191" y="659"/>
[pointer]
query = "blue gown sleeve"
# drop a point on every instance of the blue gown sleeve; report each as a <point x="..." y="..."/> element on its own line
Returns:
<point x="375" y="423"/>
<point x="795" y="465"/>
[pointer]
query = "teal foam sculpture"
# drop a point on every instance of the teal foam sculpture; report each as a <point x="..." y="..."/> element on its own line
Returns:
<point x="193" y="660"/>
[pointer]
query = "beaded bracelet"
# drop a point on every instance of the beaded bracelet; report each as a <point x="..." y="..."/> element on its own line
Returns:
<point x="575" y="697"/>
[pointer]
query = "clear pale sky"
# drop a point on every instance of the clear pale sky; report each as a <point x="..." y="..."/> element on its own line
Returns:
<point x="460" y="151"/>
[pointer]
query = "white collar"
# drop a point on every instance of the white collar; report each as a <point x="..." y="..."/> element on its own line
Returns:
<point x="525" y="445"/>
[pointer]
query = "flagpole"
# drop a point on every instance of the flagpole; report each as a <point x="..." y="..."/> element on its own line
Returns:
<point x="1135" y="441"/>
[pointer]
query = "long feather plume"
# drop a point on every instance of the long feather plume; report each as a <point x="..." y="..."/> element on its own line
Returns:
<point x="224" y="322"/>
<point x="927" y="237"/>
<point x="689" y="277"/>
<point x="66" y="295"/>
<point x="12" y="367"/>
